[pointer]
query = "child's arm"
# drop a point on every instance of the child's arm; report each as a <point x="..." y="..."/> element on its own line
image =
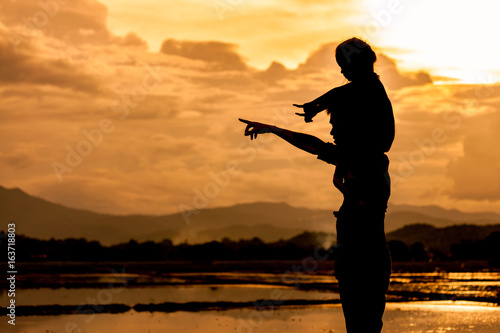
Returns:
<point x="314" y="107"/>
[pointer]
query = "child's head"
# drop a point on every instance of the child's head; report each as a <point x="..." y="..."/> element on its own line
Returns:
<point x="355" y="57"/>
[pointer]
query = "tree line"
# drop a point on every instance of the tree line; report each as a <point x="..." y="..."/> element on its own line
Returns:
<point x="299" y="247"/>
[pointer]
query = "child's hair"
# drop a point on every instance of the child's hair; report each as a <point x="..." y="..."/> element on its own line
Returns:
<point x="355" y="53"/>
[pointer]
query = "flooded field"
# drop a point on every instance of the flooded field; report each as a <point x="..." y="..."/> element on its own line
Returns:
<point x="476" y="286"/>
<point x="434" y="317"/>
<point x="292" y="301"/>
<point x="159" y="294"/>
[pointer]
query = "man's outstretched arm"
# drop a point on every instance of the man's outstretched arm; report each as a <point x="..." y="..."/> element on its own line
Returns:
<point x="306" y="142"/>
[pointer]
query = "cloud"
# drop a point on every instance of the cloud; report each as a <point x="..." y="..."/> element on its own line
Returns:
<point x="476" y="174"/>
<point x="75" y="21"/>
<point x="131" y="39"/>
<point x="18" y="159"/>
<point x="218" y="55"/>
<point x="476" y="171"/>
<point x="276" y="71"/>
<point x="443" y="147"/>
<point x="320" y="59"/>
<point x="69" y="75"/>
<point x="393" y="79"/>
<point x="16" y="68"/>
<point x="318" y="69"/>
<point x="324" y="59"/>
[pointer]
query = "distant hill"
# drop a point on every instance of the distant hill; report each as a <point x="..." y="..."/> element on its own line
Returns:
<point x="39" y="218"/>
<point x="448" y="214"/>
<point x="399" y="215"/>
<point x="441" y="238"/>
<point x="266" y="232"/>
<point x="397" y="219"/>
<point x="42" y="219"/>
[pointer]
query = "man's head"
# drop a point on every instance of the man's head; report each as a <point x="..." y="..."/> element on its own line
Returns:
<point x="355" y="57"/>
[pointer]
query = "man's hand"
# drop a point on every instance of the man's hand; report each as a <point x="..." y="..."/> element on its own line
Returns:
<point x="253" y="128"/>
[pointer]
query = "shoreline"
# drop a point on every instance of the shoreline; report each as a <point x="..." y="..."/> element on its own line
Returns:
<point x="256" y="266"/>
<point x="410" y="283"/>
<point x="170" y="307"/>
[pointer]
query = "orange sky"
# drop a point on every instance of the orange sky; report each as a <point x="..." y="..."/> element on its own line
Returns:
<point x="121" y="107"/>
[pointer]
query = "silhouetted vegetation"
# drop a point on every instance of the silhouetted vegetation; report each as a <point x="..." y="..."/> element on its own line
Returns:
<point x="416" y="252"/>
<point x="486" y="249"/>
<point x="399" y="251"/>
<point x="71" y="249"/>
<point x="299" y="247"/>
<point x="489" y="248"/>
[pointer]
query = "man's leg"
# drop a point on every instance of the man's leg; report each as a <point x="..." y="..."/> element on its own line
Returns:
<point x="363" y="302"/>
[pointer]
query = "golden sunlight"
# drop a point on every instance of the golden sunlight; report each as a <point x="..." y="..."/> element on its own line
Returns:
<point x="455" y="39"/>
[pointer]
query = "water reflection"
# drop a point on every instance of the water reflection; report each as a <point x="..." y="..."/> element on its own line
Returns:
<point x="131" y="289"/>
<point x="469" y="284"/>
<point x="399" y="317"/>
<point x="160" y="294"/>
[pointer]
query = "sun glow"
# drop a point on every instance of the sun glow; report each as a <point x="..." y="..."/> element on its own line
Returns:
<point x="457" y="39"/>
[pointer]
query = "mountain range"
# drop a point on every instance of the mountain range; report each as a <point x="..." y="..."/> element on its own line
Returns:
<point x="38" y="218"/>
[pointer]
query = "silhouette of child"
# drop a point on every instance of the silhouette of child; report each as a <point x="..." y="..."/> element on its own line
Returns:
<point x="363" y="130"/>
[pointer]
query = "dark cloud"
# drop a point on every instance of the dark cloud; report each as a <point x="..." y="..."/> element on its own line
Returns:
<point x="17" y="159"/>
<point x="131" y="39"/>
<point x="320" y="66"/>
<point x="218" y="55"/>
<point x="23" y="67"/>
<point x="321" y="59"/>
<point x="75" y="21"/>
<point x="393" y="79"/>
<point x="276" y="71"/>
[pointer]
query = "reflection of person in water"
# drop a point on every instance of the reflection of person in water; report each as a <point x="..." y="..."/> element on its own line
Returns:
<point x="363" y="130"/>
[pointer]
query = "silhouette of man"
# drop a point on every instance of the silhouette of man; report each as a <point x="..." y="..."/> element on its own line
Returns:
<point x="363" y="130"/>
